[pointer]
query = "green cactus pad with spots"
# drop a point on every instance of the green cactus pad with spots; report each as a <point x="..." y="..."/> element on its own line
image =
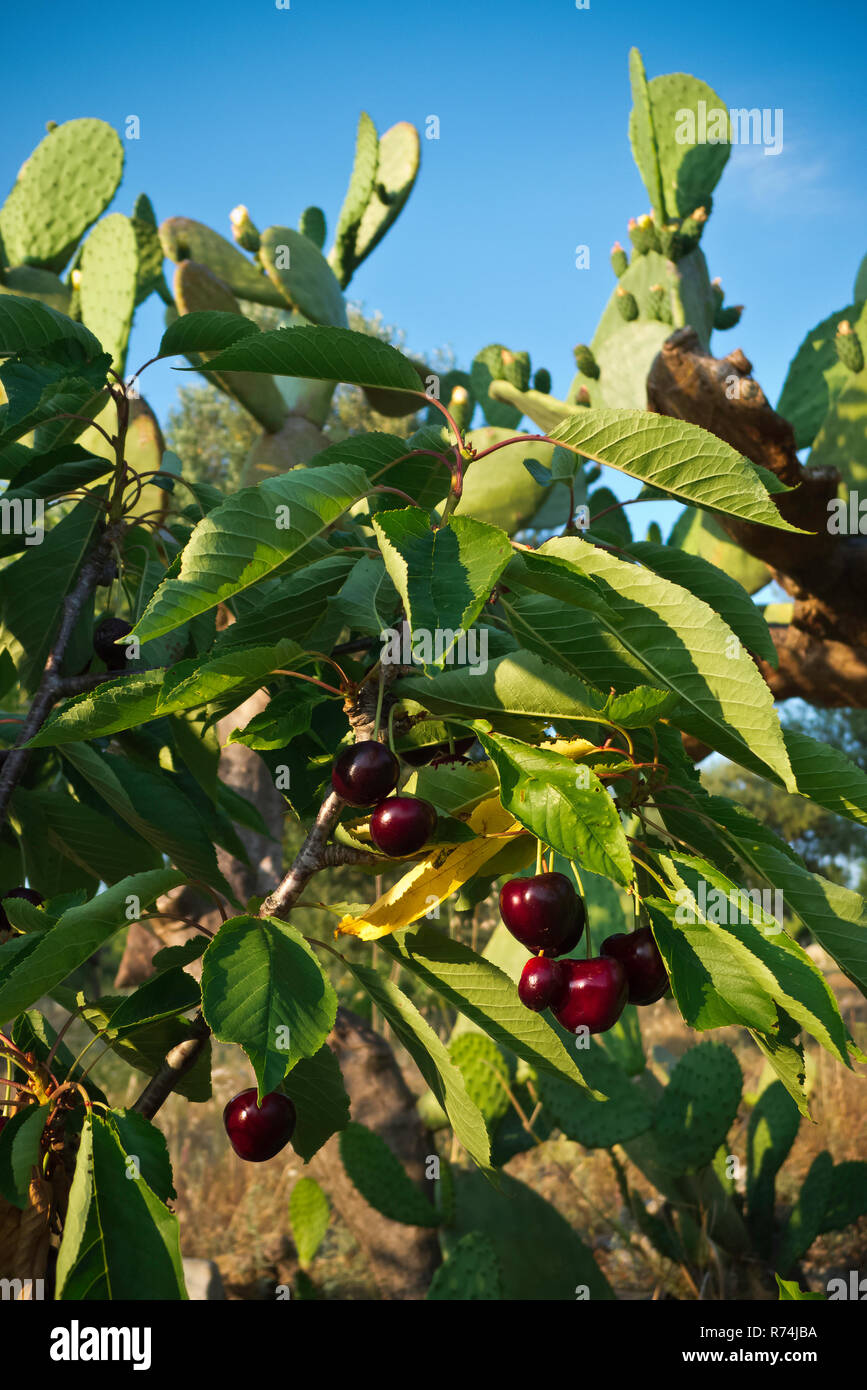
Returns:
<point x="299" y="270"/>
<point x="697" y="1107"/>
<point x="471" y="1273"/>
<point x="396" y="172"/>
<point x="816" y="376"/>
<point x="689" y="170"/>
<point x="109" y="281"/>
<point x="312" y="225"/>
<point x="70" y="178"/>
<point x="485" y="1072"/>
<point x="497" y="363"/>
<point x="185" y="240"/>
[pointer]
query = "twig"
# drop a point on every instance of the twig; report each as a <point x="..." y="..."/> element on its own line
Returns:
<point x="177" y="1063"/>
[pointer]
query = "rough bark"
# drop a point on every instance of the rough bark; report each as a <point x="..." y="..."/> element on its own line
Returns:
<point x="823" y="653"/>
<point x="402" y="1258"/>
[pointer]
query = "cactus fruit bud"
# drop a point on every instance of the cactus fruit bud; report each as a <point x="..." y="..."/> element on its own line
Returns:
<point x="50" y="125"/>
<point x="619" y="260"/>
<point x="691" y="229"/>
<point x="626" y="303"/>
<point x="658" y="305"/>
<point x="75" y="279"/>
<point x="542" y="381"/>
<point x="728" y="317"/>
<point x="585" y="361"/>
<point x="653" y="533"/>
<point x="639" y="237"/>
<point x="243" y="230"/>
<point x="716" y="290"/>
<point x="671" y="244"/>
<point x="848" y="346"/>
<point x="647" y="228"/>
<point x="461" y="407"/>
<point x="583" y="396"/>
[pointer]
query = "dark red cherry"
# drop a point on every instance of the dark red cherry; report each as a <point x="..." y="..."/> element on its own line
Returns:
<point x="594" y="994"/>
<point x="109" y="631"/>
<point x="544" y="913"/>
<point x="28" y="894"/>
<point x="365" y="773"/>
<point x="402" y="824"/>
<point x="639" y="955"/>
<point x="541" y="983"/>
<point x="259" y="1132"/>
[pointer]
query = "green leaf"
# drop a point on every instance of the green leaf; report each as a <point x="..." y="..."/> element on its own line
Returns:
<point x="32" y="591"/>
<point x="368" y="601"/>
<point x="522" y="684"/>
<point x="766" y="953"/>
<point x="20" y="1147"/>
<point x="323" y="354"/>
<point x="484" y="994"/>
<point x="262" y="987"/>
<point x="444" y="577"/>
<point x="715" y="588"/>
<point x="565" y="807"/>
<point x="708" y="983"/>
<point x="166" y="994"/>
<point x="674" y="640"/>
<point x="146" y="1048"/>
<point x="470" y="1273"/>
<point x="825" y="775"/>
<point x="315" y="1084"/>
<point x="78" y="933"/>
<point x="204" y="330"/>
<point x="99" y="844"/>
<point x="432" y="1059"/>
<point x="146" y="1143"/>
<point x="25" y="325"/>
<point x="790" y="1289"/>
<point x="697" y="533"/>
<point x="119" y="1240"/>
<point x="245" y="540"/>
<point x="297" y="608"/>
<point x="683" y="460"/>
<point x="124" y="703"/>
<point x="155" y="808"/>
<point x="382" y="1179"/>
<point x="309" y="1216"/>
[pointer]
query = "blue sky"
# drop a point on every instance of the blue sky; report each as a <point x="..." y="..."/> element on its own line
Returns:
<point x="251" y="103"/>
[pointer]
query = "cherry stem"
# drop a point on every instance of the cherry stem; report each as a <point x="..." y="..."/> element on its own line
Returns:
<point x="438" y="405"/>
<point x="59" y="1039"/>
<point x="312" y="679"/>
<point x="391" y="728"/>
<point x="538" y="857"/>
<point x="379" y="696"/>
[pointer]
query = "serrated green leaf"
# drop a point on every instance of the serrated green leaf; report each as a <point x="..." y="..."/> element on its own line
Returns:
<point x="316" y="1086"/>
<point x="262" y="987"/>
<point x="20" y="1145"/>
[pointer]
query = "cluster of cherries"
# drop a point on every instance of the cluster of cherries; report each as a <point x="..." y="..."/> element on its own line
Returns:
<point x="365" y="775"/>
<point x="547" y="916"/>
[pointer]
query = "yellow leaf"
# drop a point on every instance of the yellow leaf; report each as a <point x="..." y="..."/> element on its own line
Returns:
<point x="442" y="873"/>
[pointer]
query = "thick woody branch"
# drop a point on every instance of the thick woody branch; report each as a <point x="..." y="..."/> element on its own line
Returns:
<point x="826" y="574"/>
<point x="174" y="1067"/>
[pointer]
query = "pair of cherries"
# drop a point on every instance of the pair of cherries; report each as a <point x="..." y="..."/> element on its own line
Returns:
<point x="547" y="916"/>
<point x="365" y="775"/>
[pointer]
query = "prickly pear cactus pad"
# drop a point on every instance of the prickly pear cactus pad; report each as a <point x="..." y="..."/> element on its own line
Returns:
<point x="184" y="239"/>
<point x="298" y="269"/>
<point x="697" y="1107"/>
<point x="396" y="172"/>
<point x="70" y="178"/>
<point x="689" y="169"/>
<point x="109" y="283"/>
